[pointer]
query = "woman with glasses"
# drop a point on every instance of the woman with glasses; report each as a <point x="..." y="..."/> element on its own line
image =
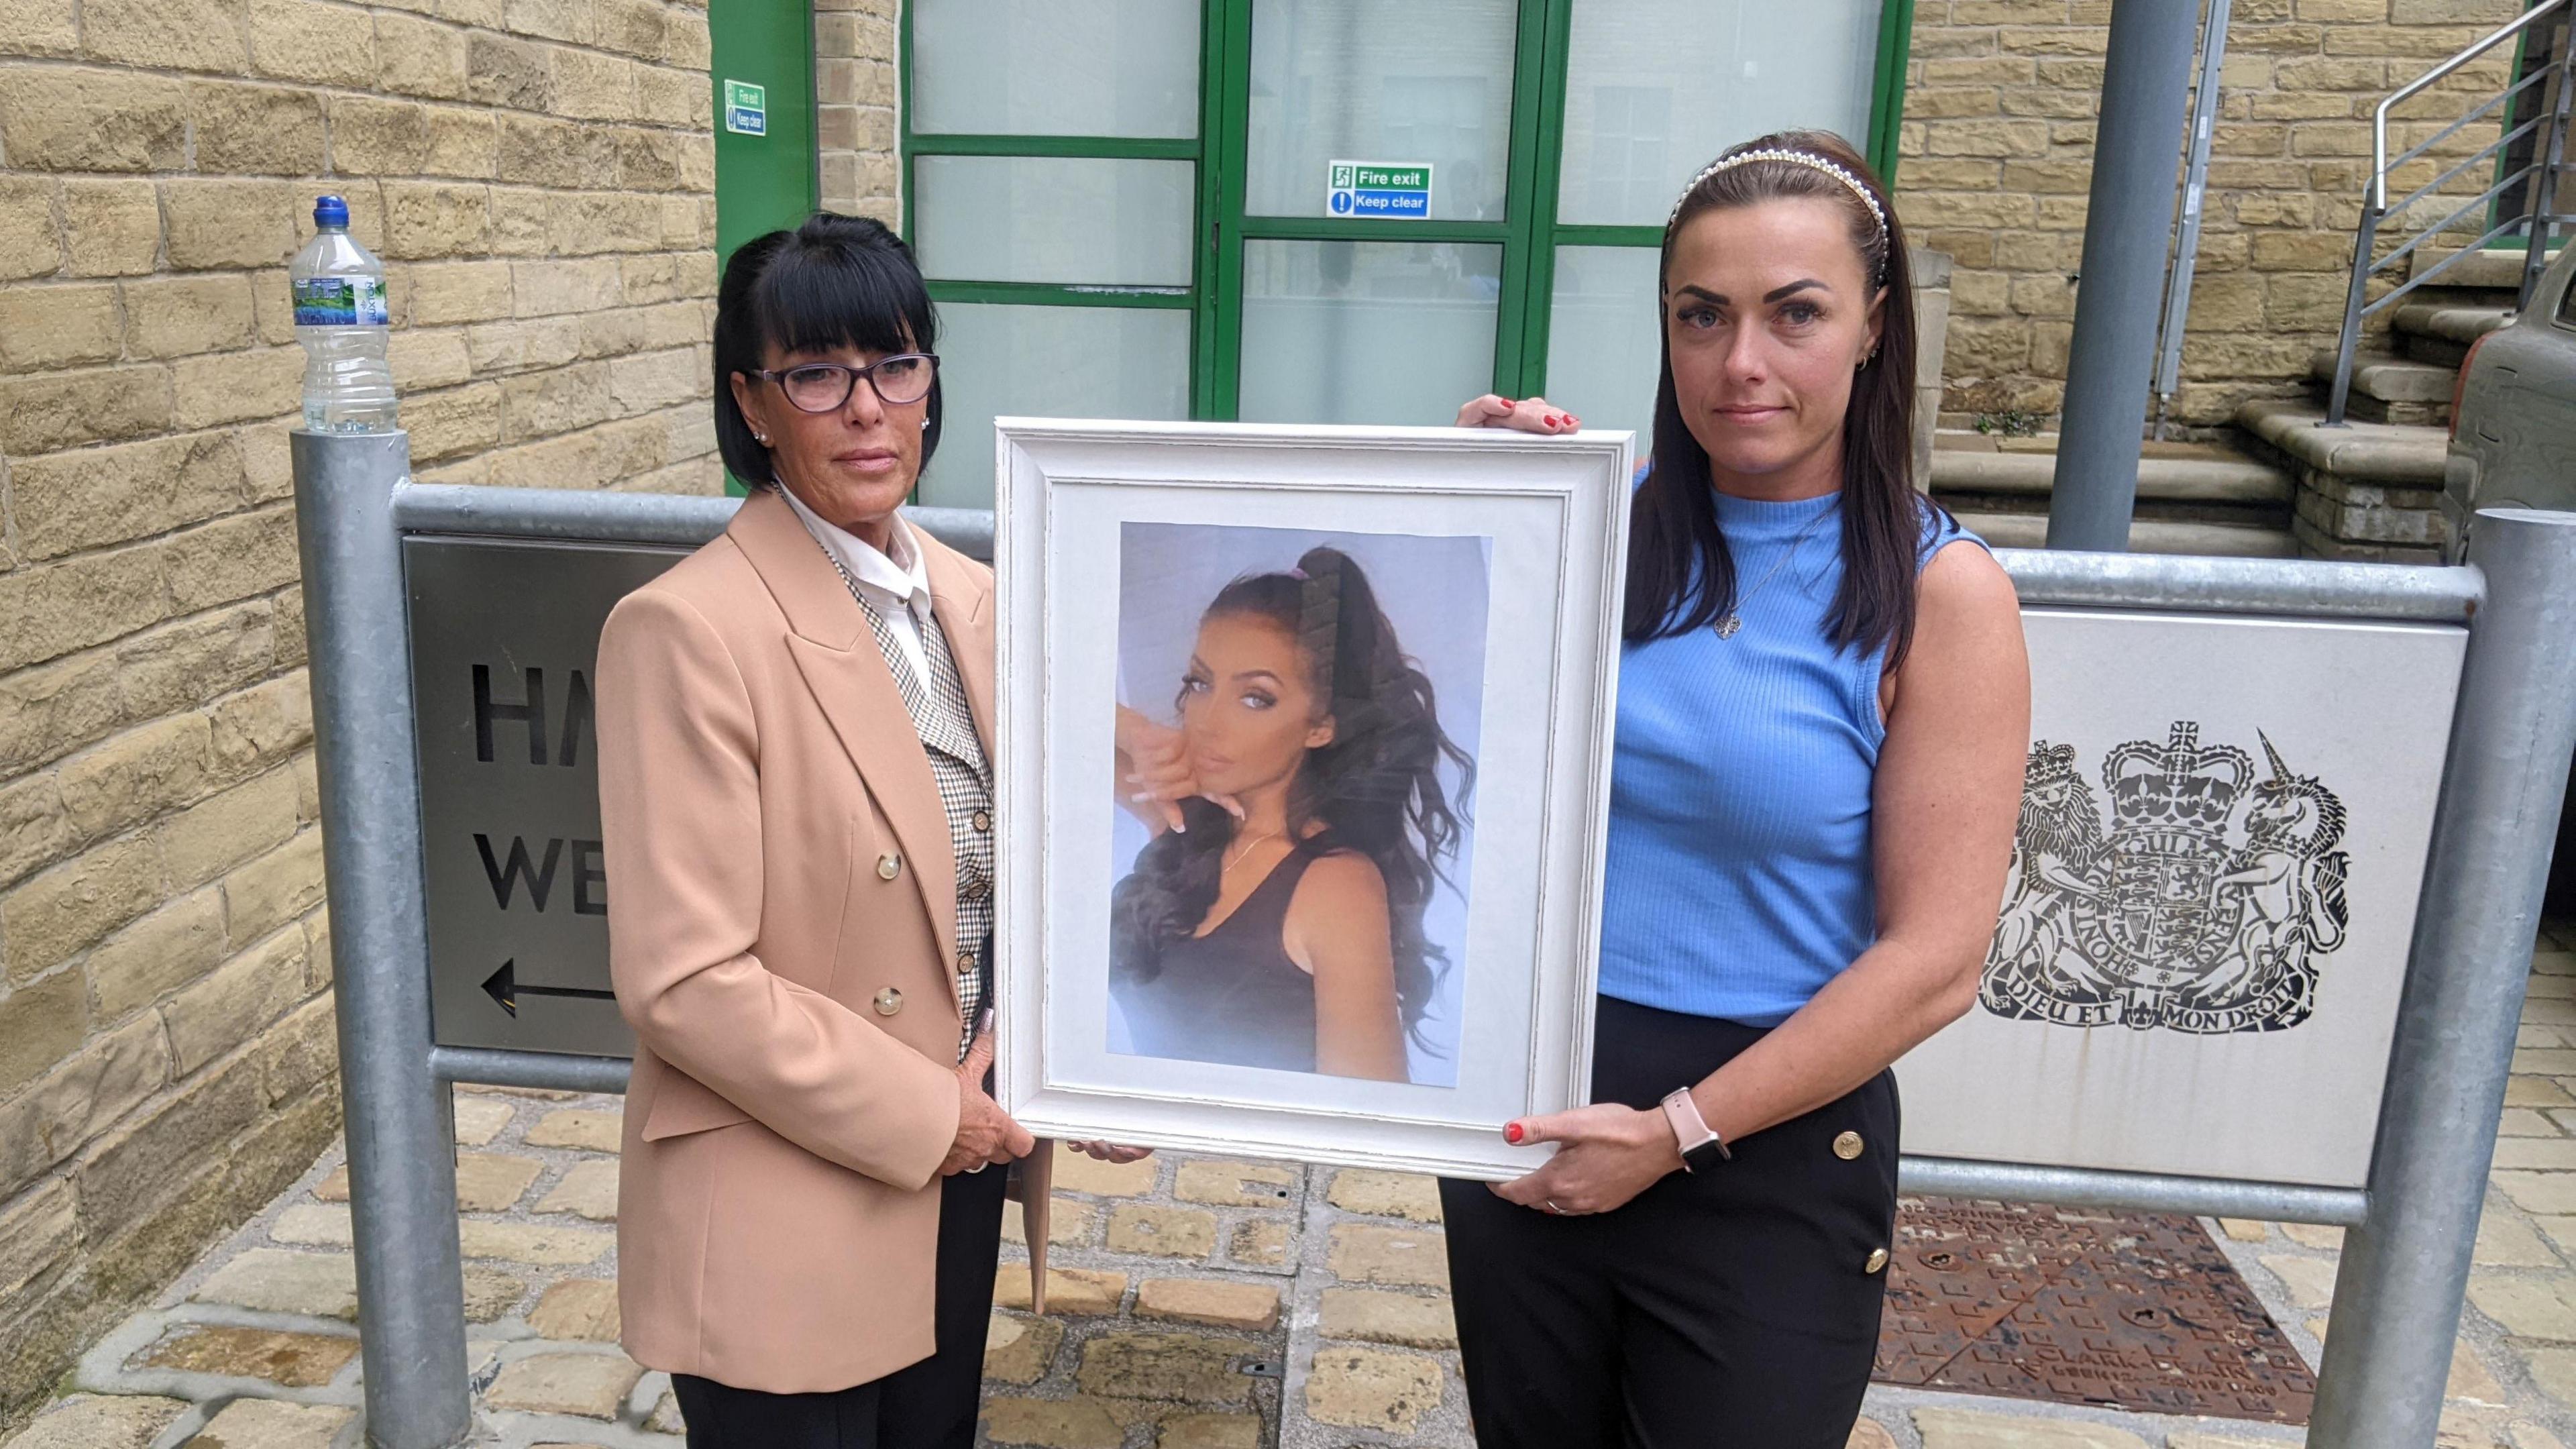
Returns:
<point x="796" y="793"/>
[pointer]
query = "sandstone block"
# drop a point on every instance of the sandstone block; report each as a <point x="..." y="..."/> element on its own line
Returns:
<point x="1969" y="1429"/>
<point x="312" y="1225"/>
<point x="138" y="775"/>
<point x="2553" y="1371"/>
<point x="587" y="84"/>
<point x="544" y="404"/>
<point x="1386" y="1194"/>
<point x="422" y="360"/>
<point x="184" y="315"/>
<point x="38" y="1234"/>
<point x="490" y="1293"/>
<point x="578" y="1308"/>
<point x="435" y="219"/>
<point x="1073" y="1291"/>
<point x="1164" y="1232"/>
<point x="1364" y="1254"/>
<point x="1366" y="1388"/>
<point x="1262" y="1243"/>
<point x="228" y="224"/>
<point x="1234" y="1184"/>
<point x="1253" y="1307"/>
<point x="1077" y="1173"/>
<point x="1414" y="1320"/>
<point x="276" y="888"/>
<point x="41" y="1024"/>
<point x="589" y="222"/>
<point x="502" y="71"/>
<point x="380" y="138"/>
<point x="58" y="326"/>
<point x="684" y="41"/>
<point x="592" y="1385"/>
<point x="565" y="20"/>
<point x="48" y="411"/>
<point x="2504" y="1242"/>
<point x="591" y="1131"/>
<point x="459" y="292"/>
<point x="2549" y="1193"/>
<point x="33" y="833"/>
<point x="187" y="35"/>
<point x="530" y="1243"/>
<point x="31" y="244"/>
<point x="39" y="27"/>
<point x="629" y="27"/>
<point x="241" y="824"/>
<point x="462" y="142"/>
<point x="92" y="120"/>
<point x="195" y="659"/>
<point x="454" y="420"/>
<point x="525" y="344"/>
<point x="665" y="97"/>
<point x="490" y="1182"/>
<point x="237" y="387"/>
<point x="1052" y="1423"/>
<point x="1069" y="1224"/>
<point x="306" y="40"/>
<point x="417" y="57"/>
<point x="1166" y="1367"/>
<point x="259" y="727"/>
<point x="1209" y="1431"/>
<point x="165" y="950"/>
<point x="273" y="1280"/>
<point x="589" y="1190"/>
<point x="51" y="1120"/>
<point x="100" y="1421"/>
<point x="271" y="1424"/>
<point x="552" y="288"/>
<point x="270" y="130"/>
<point x="290" y="1360"/>
<point x="1020" y="1350"/>
<point x="522" y="220"/>
<point x="79" y="500"/>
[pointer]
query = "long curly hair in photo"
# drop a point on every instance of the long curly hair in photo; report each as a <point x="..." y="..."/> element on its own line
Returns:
<point x="1376" y="789"/>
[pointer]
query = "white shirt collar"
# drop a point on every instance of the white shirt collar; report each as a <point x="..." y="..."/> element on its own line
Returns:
<point x="895" y="574"/>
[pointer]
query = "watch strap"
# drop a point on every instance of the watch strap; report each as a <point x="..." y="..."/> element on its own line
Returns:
<point x="1699" y="1143"/>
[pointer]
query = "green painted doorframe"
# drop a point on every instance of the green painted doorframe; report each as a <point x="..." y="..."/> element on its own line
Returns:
<point x="764" y="182"/>
<point x="1529" y="236"/>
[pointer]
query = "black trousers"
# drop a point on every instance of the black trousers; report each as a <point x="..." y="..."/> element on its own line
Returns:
<point x="928" y="1405"/>
<point x="1732" y="1308"/>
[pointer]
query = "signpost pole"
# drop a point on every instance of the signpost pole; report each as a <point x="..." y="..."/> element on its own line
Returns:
<point x="2406" y="1268"/>
<point x="402" y="1150"/>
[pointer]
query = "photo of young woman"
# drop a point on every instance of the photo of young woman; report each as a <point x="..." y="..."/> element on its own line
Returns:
<point x="1296" y="789"/>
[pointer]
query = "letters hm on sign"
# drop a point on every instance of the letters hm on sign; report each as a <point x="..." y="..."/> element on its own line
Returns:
<point x="1398" y="189"/>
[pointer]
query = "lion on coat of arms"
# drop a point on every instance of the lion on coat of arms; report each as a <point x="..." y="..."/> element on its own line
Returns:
<point x="2207" y="905"/>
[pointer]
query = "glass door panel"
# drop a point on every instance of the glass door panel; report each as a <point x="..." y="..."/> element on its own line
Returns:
<point x="1366" y="332"/>
<point x="1001" y="360"/>
<point x="1055" y="67"/>
<point x="1655" y="89"/>
<point x="1074" y="220"/>
<point x="1364" y="80"/>
<point x="1604" y="348"/>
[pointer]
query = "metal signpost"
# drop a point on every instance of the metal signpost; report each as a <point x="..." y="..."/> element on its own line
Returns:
<point x="452" y="631"/>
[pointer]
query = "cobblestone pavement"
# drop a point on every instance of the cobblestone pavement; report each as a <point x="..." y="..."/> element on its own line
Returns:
<point x="1195" y="1303"/>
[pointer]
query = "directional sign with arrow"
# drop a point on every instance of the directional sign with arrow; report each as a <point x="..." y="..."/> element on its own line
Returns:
<point x="505" y="987"/>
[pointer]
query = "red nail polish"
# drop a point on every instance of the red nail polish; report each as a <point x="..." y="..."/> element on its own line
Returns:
<point x="1512" y="1133"/>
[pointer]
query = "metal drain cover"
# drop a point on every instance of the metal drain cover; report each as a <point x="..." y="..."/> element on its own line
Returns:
<point x="2077" y="1306"/>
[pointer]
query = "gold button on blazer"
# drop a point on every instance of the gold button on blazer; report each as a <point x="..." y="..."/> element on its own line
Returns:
<point x="778" y="1200"/>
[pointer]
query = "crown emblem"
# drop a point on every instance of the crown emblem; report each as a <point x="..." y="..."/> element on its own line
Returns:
<point x="2184" y="785"/>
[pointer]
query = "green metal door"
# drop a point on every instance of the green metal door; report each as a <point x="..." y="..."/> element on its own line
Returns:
<point x="766" y="161"/>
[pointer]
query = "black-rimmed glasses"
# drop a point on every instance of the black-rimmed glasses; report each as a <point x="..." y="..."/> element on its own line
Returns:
<point x="819" y="387"/>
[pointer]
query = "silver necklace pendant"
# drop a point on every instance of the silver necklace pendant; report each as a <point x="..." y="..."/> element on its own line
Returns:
<point x="1727" y="626"/>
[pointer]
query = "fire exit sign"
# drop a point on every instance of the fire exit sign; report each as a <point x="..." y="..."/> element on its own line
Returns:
<point x="1378" y="189"/>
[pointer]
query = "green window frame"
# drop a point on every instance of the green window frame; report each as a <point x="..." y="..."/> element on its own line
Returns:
<point x="1529" y="236"/>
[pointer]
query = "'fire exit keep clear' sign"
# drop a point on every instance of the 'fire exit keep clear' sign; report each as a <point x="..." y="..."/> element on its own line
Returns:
<point x="1378" y="189"/>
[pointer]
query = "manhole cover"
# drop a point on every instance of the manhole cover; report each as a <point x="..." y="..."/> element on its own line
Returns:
<point x="2075" y="1306"/>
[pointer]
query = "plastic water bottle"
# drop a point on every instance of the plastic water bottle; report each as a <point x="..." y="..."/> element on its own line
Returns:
<point x="341" y="320"/>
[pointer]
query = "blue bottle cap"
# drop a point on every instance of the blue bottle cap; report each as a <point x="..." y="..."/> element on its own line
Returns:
<point x="330" y="211"/>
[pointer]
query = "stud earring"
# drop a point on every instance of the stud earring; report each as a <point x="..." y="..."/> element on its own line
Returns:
<point x="761" y="438"/>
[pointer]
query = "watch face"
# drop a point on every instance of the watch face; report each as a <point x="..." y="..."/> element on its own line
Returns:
<point x="1707" y="1154"/>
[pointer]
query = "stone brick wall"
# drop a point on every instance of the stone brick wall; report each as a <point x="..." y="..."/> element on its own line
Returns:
<point x="1996" y="159"/>
<point x="539" y="175"/>
<point x="855" y="96"/>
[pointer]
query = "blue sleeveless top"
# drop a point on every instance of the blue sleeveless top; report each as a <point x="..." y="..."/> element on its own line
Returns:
<point x="1738" y="871"/>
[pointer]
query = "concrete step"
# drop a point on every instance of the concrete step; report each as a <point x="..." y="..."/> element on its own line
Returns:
<point x="2389" y="454"/>
<point x="2146" y="535"/>
<point x="2391" y="389"/>
<point x="2441" y="333"/>
<point x="2492" y="269"/>
<point x="2206" y="474"/>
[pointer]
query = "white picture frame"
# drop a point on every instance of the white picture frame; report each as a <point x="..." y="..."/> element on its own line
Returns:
<point x="1541" y="525"/>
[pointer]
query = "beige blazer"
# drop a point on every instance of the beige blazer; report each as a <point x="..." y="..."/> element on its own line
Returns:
<point x="780" y="871"/>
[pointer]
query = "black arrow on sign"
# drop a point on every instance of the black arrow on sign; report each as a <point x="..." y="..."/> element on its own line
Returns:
<point x="503" y="987"/>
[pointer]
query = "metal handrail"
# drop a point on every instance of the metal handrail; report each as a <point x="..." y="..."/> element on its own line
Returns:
<point x="2540" y="220"/>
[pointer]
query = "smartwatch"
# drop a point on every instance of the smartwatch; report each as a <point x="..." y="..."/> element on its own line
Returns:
<point x="1700" y="1146"/>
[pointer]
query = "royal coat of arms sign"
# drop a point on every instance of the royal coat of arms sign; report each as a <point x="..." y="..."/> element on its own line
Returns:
<point x="2204" y="933"/>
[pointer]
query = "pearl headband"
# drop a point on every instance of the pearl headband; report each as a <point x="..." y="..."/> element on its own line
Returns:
<point x="1807" y="159"/>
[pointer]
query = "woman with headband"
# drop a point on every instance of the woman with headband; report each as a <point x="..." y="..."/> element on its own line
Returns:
<point x="1823" y="709"/>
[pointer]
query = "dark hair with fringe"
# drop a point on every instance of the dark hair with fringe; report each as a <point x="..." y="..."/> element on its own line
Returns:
<point x="1375" y="789"/>
<point x="1681" y="576"/>
<point x="836" y="281"/>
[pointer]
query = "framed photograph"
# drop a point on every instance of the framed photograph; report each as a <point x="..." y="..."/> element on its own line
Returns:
<point x="1305" y="767"/>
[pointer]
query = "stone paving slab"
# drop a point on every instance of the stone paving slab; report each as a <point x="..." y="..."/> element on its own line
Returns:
<point x="1195" y="1304"/>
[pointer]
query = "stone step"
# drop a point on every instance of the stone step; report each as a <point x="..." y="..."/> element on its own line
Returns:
<point x="2443" y="334"/>
<point x="2208" y="475"/>
<point x="2492" y="269"/>
<point x="2391" y="389"/>
<point x="2146" y="535"/>
<point x="2393" y="454"/>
